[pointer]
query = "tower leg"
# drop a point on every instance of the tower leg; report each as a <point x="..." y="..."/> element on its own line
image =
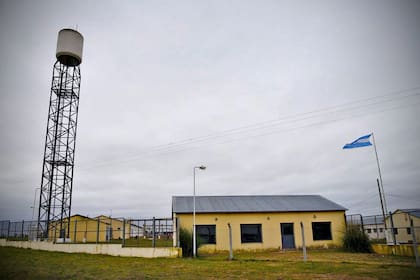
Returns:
<point x="57" y="172"/>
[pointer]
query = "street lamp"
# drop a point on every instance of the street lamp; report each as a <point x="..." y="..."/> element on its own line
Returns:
<point x="32" y="230"/>
<point x="33" y="207"/>
<point x="202" y="167"/>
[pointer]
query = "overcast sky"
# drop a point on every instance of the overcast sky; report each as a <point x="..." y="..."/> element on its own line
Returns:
<point x="263" y="93"/>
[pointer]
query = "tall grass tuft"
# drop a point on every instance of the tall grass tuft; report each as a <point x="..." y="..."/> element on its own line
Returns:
<point x="186" y="242"/>
<point x="356" y="241"/>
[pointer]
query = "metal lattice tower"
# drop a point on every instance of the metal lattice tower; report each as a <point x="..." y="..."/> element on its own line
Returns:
<point x="58" y="164"/>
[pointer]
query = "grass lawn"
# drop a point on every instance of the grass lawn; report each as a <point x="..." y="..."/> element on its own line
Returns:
<point x="322" y="264"/>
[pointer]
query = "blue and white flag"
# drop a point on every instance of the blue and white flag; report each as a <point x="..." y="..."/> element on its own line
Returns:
<point x="360" y="142"/>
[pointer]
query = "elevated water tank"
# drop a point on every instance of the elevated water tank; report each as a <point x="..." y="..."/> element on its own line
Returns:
<point x="69" y="47"/>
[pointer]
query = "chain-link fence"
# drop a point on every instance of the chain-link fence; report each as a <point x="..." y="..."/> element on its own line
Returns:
<point x="18" y="231"/>
<point x="373" y="226"/>
<point x="153" y="232"/>
<point x="394" y="229"/>
<point x="149" y="233"/>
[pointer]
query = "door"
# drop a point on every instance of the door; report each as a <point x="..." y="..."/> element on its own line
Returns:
<point x="108" y="233"/>
<point x="287" y="236"/>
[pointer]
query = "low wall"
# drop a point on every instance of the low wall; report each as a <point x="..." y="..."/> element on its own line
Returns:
<point x="104" y="249"/>
<point x="398" y="250"/>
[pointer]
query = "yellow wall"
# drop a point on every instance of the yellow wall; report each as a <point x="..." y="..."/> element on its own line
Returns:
<point x="271" y="237"/>
<point x="402" y="222"/>
<point x="117" y="227"/>
<point x="398" y="250"/>
<point x="84" y="229"/>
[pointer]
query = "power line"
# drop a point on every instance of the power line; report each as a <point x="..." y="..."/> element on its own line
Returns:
<point x="296" y="117"/>
<point x="362" y="202"/>
<point x="414" y="199"/>
<point x="272" y="126"/>
<point x="252" y="128"/>
<point x="169" y="151"/>
<point x="169" y="148"/>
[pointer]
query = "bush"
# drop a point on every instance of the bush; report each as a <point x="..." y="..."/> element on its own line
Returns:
<point x="186" y="242"/>
<point x="355" y="240"/>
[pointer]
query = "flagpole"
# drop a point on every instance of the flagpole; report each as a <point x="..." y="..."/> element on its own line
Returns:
<point x="382" y="203"/>
<point x="382" y="187"/>
<point x="363" y="142"/>
<point x="379" y="171"/>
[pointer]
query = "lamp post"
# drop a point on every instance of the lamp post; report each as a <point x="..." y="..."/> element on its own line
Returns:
<point x="32" y="230"/>
<point x="202" y="167"/>
<point x="33" y="206"/>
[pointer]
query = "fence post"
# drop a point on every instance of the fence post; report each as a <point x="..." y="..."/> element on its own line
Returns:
<point x="178" y="242"/>
<point x="361" y="221"/>
<point x="303" y="242"/>
<point x="55" y="232"/>
<point x="8" y="229"/>
<point x="23" y="225"/>
<point x="75" y="231"/>
<point x="97" y="231"/>
<point x="153" y="233"/>
<point x="392" y="228"/>
<point x="230" y="243"/>
<point x="145" y="234"/>
<point x="413" y="233"/>
<point x="110" y="230"/>
<point x="123" y="233"/>
<point x="86" y="234"/>
<point x="32" y="236"/>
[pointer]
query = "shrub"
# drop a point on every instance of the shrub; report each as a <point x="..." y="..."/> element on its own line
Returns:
<point x="355" y="240"/>
<point x="186" y="242"/>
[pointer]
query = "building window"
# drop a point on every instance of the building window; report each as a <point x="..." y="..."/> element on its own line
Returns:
<point x="381" y="230"/>
<point x="369" y="230"/>
<point x="408" y="230"/>
<point x="395" y="231"/>
<point x="321" y="231"/>
<point x="374" y="230"/>
<point x="251" y="233"/>
<point x="206" y="234"/>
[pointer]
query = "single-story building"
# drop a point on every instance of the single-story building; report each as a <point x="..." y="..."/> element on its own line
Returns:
<point x="85" y="229"/>
<point x="402" y="227"/>
<point x="261" y="221"/>
<point x="374" y="227"/>
<point x="115" y="227"/>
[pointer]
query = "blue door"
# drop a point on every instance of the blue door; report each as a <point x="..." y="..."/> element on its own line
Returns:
<point x="287" y="236"/>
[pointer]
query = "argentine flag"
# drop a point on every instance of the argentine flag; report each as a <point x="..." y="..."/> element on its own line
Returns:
<point x="360" y="142"/>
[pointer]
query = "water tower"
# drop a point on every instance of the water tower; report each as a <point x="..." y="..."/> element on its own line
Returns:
<point x="58" y="164"/>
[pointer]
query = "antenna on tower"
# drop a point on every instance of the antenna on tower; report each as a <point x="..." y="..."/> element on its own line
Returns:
<point x="57" y="172"/>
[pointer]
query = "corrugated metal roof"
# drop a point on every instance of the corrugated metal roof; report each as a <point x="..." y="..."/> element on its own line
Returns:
<point x="253" y="203"/>
<point x="413" y="212"/>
